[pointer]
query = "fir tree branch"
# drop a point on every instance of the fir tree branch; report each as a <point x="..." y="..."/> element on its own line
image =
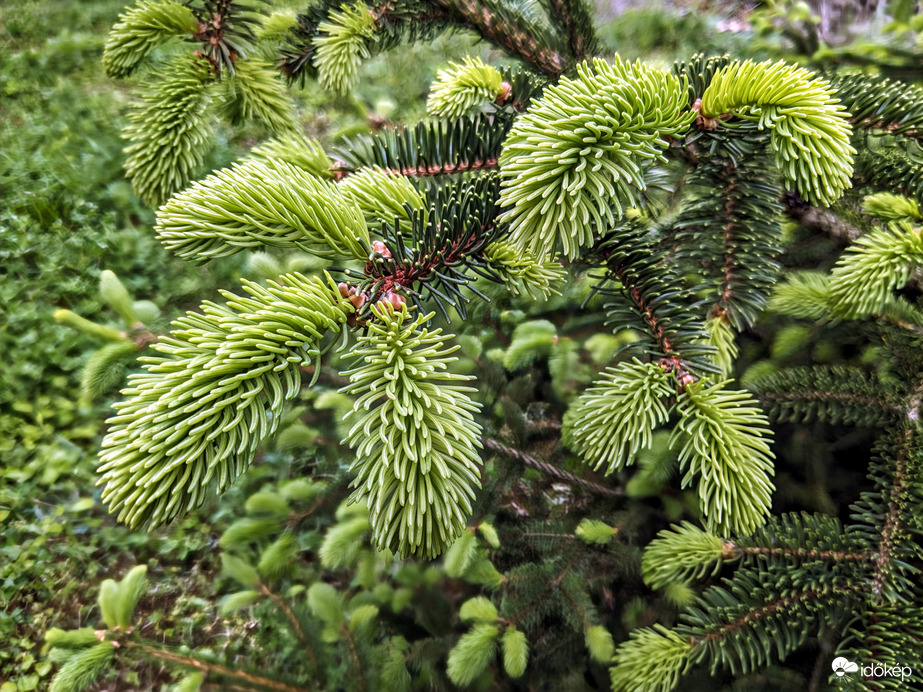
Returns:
<point x="354" y="652"/>
<point x="810" y="132"/>
<point x="798" y="553"/>
<point x="162" y="653"/>
<point x="297" y="629"/>
<point x="550" y="470"/>
<point x="894" y="517"/>
<point x="497" y="29"/>
<point x="773" y="607"/>
<point x="575" y="18"/>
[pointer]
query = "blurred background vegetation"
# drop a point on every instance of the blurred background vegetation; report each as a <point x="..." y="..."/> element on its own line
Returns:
<point x="67" y="214"/>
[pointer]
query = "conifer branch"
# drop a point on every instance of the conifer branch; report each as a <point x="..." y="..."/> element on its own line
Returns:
<point x="550" y="470"/>
<point x="894" y="511"/>
<point x="575" y="17"/>
<point x="835" y="395"/>
<point x="810" y="132"/>
<point x="162" y="653"/>
<point x="415" y="436"/>
<point x="508" y="31"/>
<point x="576" y="159"/>
<point x="731" y="231"/>
<point x="466" y="145"/>
<point x="776" y="607"/>
<point x="289" y="614"/>
<point x="201" y="409"/>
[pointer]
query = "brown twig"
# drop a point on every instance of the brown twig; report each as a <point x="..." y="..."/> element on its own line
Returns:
<point x="549" y="470"/>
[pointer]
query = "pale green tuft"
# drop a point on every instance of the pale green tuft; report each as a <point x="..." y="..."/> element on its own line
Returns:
<point x="472" y="654"/>
<point x="682" y="553"/>
<point x="382" y="196"/>
<point x="722" y="338"/>
<point x="594" y="532"/>
<point x="459" y="89"/>
<point x="726" y="442"/>
<point x="168" y="132"/>
<point x="599" y="643"/>
<point x="147" y="25"/>
<point x="342" y="46"/>
<point x="114" y="292"/>
<point x="890" y="207"/>
<point x="343" y="541"/>
<point x="478" y="609"/>
<point x="865" y="276"/>
<point x="575" y="161"/>
<point x="192" y="422"/>
<point x="803" y="294"/>
<point x="522" y="272"/>
<point x="810" y="129"/>
<point x="515" y="652"/>
<point x="84" y="669"/>
<point x="256" y="92"/>
<point x="414" y="435"/>
<point x="262" y="203"/>
<point x="651" y="661"/>
<point x="297" y="150"/>
<point x="616" y="417"/>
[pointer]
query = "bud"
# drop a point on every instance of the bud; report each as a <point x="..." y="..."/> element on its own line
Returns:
<point x="381" y="249"/>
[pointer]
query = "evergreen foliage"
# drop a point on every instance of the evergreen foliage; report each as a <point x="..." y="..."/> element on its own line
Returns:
<point x="197" y="413"/>
<point x="416" y="461"/>
<point x="656" y="197"/>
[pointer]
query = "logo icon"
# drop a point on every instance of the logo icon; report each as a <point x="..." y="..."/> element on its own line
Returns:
<point x="843" y="667"/>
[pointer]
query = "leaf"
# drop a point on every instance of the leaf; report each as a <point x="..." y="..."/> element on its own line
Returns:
<point x="108" y="602"/>
<point x="279" y="559"/>
<point x="482" y="571"/>
<point x="594" y="531"/>
<point x="634" y="661"/>
<point x="343" y="541"/>
<point x="531" y="341"/>
<point x="71" y="639"/>
<point x="193" y="420"/>
<point x="269" y="504"/>
<point x="361" y="615"/>
<point x="114" y="292"/>
<point x="262" y="203"/>
<point x="131" y="587"/>
<point x="490" y="534"/>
